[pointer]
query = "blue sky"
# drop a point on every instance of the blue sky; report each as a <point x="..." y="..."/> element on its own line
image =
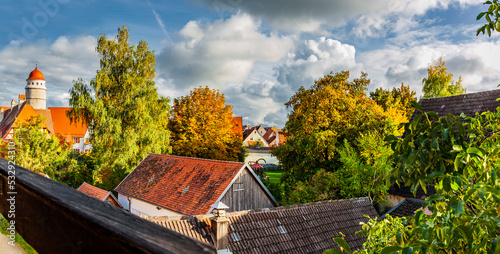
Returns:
<point x="258" y="53"/>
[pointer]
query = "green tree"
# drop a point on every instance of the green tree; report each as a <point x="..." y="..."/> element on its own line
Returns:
<point x="439" y="82"/>
<point x="492" y="18"/>
<point x="127" y="117"/>
<point x="36" y="149"/>
<point x="461" y="159"/>
<point x="334" y="109"/>
<point x="202" y="127"/>
<point x="364" y="173"/>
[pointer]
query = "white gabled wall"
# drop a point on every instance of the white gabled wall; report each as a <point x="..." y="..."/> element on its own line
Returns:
<point x="139" y="207"/>
<point x="80" y="145"/>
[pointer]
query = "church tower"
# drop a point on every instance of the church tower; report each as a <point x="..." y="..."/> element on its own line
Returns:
<point x="36" y="92"/>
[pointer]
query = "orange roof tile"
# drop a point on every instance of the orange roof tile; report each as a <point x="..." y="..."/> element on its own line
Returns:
<point x="93" y="191"/>
<point x="22" y="96"/>
<point x="181" y="184"/>
<point x="62" y="125"/>
<point x="16" y="116"/>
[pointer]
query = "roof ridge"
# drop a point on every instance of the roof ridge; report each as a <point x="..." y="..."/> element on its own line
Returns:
<point x="296" y="206"/>
<point x="195" y="158"/>
<point x="465" y="94"/>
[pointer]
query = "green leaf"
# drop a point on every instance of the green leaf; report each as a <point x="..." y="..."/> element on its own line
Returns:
<point x="480" y="15"/>
<point x="416" y="105"/>
<point x="433" y="114"/>
<point x="435" y="197"/>
<point x="407" y="250"/>
<point x="457" y="207"/>
<point x="343" y="244"/>
<point x="390" y="249"/>
<point x="446" y="184"/>
<point x="332" y="251"/>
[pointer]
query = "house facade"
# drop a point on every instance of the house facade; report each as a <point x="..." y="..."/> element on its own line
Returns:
<point x="76" y="132"/>
<point x="167" y="185"/>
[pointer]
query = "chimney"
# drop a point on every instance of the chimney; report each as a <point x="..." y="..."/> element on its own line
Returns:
<point x="220" y="225"/>
<point x="1" y="114"/>
<point x="12" y="104"/>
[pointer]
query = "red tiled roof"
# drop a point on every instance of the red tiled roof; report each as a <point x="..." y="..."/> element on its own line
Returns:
<point x="181" y="184"/>
<point x="16" y="116"/>
<point x="269" y="132"/>
<point x="305" y="228"/>
<point x="93" y="191"/>
<point x="62" y="125"/>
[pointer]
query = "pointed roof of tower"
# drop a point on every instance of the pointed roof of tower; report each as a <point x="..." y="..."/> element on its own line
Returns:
<point x="36" y="74"/>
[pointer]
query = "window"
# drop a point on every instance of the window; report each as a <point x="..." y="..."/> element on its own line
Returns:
<point x="86" y="140"/>
<point x="76" y="140"/>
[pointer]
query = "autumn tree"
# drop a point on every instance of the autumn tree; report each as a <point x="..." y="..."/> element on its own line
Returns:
<point x="439" y="82"/>
<point x="36" y="149"/>
<point x="397" y="98"/>
<point x="126" y="116"/>
<point x="202" y="127"/>
<point x="333" y="110"/>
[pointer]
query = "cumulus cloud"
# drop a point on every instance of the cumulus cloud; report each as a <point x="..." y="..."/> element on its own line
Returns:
<point x="61" y="62"/>
<point x="220" y="52"/>
<point x="474" y="61"/>
<point x="312" y="59"/>
<point x="262" y="102"/>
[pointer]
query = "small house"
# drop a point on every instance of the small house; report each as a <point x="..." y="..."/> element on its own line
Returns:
<point x="99" y="193"/>
<point x="166" y="185"/>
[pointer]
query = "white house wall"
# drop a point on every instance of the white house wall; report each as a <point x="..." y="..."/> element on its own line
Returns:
<point x="139" y="207"/>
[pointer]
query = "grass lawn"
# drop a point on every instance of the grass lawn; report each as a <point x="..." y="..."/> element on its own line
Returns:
<point x="274" y="176"/>
<point x="4" y="224"/>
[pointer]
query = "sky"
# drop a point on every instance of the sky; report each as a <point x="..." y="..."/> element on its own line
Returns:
<point x="258" y="53"/>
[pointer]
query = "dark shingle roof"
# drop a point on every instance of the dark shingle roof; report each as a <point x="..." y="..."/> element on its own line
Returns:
<point x="195" y="227"/>
<point x="305" y="228"/>
<point x="185" y="185"/>
<point x="407" y="207"/>
<point x="468" y="104"/>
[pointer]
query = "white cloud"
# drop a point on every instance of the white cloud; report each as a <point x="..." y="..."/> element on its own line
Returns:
<point x="312" y="59"/>
<point x="61" y="62"/>
<point x="217" y="53"/>
<point x="261" y="101"/>
<point x="475" y="61"/>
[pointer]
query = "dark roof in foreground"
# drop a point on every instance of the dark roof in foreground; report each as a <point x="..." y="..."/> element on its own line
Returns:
<point x="305" y="228"/>
<point x="407" y="207"/>
<point x="468" y="104"/>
